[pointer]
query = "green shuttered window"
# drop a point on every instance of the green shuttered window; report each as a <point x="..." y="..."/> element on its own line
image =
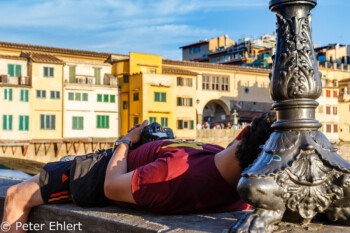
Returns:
<point x="164" y="122"/>
<point x="159" y="96"/>
<point x="23" y="123"/>
<point x="8" y="94"/>
<point x="152" y="119"/>
<point x="24" y="95"/>
<point x="7" y="122"/>
<point x="72" y="78"/>
<point x="47" y="121"/>
<point x="102" y="122"/>
<point x="14" y="70"/>
<point x="78" y="123"/>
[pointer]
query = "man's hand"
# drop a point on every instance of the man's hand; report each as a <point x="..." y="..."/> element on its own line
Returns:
<point x="134" y="134"/>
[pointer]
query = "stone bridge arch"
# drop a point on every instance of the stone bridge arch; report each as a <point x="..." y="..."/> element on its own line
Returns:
<point x="214" y="111"/>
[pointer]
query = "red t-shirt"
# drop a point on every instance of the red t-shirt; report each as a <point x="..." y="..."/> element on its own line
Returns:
<point x="173" y="176"/>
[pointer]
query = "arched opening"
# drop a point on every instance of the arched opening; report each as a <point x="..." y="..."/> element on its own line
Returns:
<point x="216" y="112"/>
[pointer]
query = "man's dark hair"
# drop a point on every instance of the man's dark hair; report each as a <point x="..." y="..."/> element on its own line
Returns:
<point x="260" y="130"/>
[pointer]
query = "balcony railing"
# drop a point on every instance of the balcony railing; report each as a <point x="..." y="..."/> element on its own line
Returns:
<point x="6" y="79"/>
<point x="108" y="79"/>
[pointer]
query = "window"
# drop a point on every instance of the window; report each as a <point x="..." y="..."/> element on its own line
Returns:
<point x="99" y="98"/>
<point x="97" y="74"/>
<point x="136" y="96"/>
<point x="205" y="82"/>
<point x="335" y="94"/>
<point x="14" y="70"/>
<point x="184" y="101"/>
<point x="102" y="122"/>
<point x="78" y="96"/>
<point x="328" y="93"/>
<point x="184" y="81"/>
<point x="85" y="96"/>
<point x="72" y="78"/>
<point x="335" y="110"/>
<point x="164" y="121"/>
<point x="47" y="121"/>
<point x="23" y="123"/>
<point x="7" y="122"/>
<point x="215" y="83"/>
<point x="48" y="72"/>
<point x="152" y="119"/>
<point x="335" y="128"/>
<point x="197" y="50"/>
<point x="55" y="95"/>
<point x="78" y="123"/>
<point x="320" y="109"/>
<point x="41" y="94"/>
<point x="329" y="129"/>
<point x="224" y="83"/>
<point x="180" y="81"/>
<point x="70" y="96"/>
<point x="105" y="98"/>
<point x="246" y="90"/>
<point x="112" y="98"/>
<point x="125" y="104"/>
<point x="152" y="71"/>
<point x="159" y="96"/>
<point x="126" y="78"/>
<point x="8" y="94"/>
<point x="191" y="50"/>
<point x="24" y="95"/>
<point x="185" y="124"/>
<point x="328" y="110"/>
<point x="136" y="120"/>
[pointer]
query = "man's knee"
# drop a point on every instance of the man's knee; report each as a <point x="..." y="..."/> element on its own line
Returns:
<point x="260" y="192"/>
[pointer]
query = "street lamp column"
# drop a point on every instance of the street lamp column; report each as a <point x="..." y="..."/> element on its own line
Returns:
<point x="298" y="173"/>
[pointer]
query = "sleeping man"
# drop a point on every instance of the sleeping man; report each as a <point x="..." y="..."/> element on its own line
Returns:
<point x="164" y="176"/>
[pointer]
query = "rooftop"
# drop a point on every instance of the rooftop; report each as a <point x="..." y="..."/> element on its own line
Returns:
<point x="175" y="70"/>
<point x="215" y="66"/>
<point x="54" y="50"/>
<point x="42" y="57"/>
<point x="197" y="43"/>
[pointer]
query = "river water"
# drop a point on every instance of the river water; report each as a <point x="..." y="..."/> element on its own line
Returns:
<point x="4" y="172"/>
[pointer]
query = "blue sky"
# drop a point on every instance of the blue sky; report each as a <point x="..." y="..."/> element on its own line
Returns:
<point x="154" y="26"/>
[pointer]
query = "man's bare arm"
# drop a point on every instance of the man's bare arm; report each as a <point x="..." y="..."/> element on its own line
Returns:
<point x="117" y="186"/>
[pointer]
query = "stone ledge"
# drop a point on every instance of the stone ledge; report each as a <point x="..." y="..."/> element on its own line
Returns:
<point x="115" y="219"/>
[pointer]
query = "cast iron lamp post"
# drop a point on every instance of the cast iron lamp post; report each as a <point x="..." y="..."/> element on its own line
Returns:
<point x="298" y="173"/>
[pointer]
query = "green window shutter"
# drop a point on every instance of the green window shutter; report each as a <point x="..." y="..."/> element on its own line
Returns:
<point x="26" y="123"/>
<point x="11" y="70"/>
<point x="178" y="101"/>
<point x="191" y="124"/>
<point x="51" y="72"/>
<point x="22" y="95"/>
<point x="85" y="97"/>
<point x="47" y="122"/>
<point x="81" y="123"/>
<point x="156" y="96"/>
<point x="78" y="96"/>
<point x="136" y="120"/>
<point x="26" y="95"/>
<point x="4" y="122"/>
<point x="46" y="71"/>
<point x="10" y="94"/>
<point x="5" y="94"/>
<point x="74" y="122"/>
<point x="180" y="124"/>
<point x="112" y="98"/>
<point x="99" y="98"/>
<point x="42" y="121"/>
<point x="18" y="70"/>
<point x="97" y="72"/>
<point x="20" y="122"/>
<point x="53" y="122"/>
<point x="190" y="82"/>
<point x="98" y="122"/>
<point x="72" y="74"/>
<point x="105" y="98"/>
<point x="191" y="102"/>
<point x="10" y="122"/>
<point x="70" y="96"/>
<point x="163" y="97"/>
<point x="107" y="122"/>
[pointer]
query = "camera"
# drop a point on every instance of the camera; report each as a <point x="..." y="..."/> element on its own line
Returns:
<point x="154" y="132"/>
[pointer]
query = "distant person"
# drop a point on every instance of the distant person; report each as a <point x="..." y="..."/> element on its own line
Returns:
<point x="228" y="125"/>
<point x="163" y="176"/>
<point x="222" y="126"/>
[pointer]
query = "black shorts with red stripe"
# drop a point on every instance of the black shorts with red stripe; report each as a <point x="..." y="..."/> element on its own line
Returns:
<point x="80" y="180"/>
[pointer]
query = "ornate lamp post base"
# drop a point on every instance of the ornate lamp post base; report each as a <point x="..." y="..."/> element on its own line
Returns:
<point x="298" y="174"/>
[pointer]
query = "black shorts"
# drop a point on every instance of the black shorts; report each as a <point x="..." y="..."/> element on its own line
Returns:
<point x="80" y="180"/>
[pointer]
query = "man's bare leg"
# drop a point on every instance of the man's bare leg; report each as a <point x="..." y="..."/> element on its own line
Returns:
<point x="19" y="200"/>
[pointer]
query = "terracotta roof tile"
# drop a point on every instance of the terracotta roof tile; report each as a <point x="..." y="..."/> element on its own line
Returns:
<point x="172" y="70"/>
<point x="54" y="49"/>
<point x="12" y="57"/>
<point x="215" y="66"/>
<point x="42" y="57"/>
